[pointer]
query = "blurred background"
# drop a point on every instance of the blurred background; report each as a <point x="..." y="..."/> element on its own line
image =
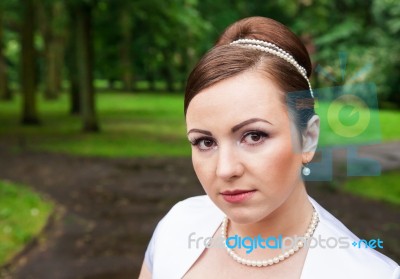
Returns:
<point x="93" y="149"/>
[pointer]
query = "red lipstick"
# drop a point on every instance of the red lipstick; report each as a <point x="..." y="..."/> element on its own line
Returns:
<point x="237" y="196"/>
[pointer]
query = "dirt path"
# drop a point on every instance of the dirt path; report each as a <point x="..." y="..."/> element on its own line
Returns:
<point x="111" y="206"/>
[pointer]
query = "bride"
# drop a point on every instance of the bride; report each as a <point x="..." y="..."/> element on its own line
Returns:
<point x="249" y="110"/>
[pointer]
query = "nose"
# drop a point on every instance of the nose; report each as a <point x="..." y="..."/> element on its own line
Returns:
<point x="229" y="165"/>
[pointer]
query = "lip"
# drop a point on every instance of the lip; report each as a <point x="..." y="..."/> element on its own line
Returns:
<point x="237" y="196"/>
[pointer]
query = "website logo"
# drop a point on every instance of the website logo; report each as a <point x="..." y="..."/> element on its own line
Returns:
<point x="280" y="242"/>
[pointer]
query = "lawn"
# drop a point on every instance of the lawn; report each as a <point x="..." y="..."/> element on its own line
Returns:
<point x="385" y="187"/>
<point x="131" y="125"/>
<point x="23" y="214"/>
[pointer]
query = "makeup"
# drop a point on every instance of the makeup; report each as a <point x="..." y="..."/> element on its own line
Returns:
<point x="237" y="196"/>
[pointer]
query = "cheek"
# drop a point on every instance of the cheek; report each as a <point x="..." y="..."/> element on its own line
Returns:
<point x="288" y="150"/>
<point x="288" y="163"/>
<point x="279" y="163"/>
<point x="203" y="169"/>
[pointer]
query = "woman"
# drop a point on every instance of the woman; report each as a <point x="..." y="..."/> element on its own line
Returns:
<point x="250" y="118"/>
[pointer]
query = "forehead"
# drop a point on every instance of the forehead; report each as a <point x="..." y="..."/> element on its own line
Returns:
<point x="247" y="95"/>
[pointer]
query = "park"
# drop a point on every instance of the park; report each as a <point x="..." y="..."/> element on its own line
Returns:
<point x="93" y="144"/>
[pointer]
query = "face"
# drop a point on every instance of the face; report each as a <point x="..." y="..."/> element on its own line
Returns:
<point x="244" y="146"/>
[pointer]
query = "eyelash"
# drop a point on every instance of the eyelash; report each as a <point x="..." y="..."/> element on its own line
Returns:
<point x="197" y="141"/>
<point x="259" y="133"/>
<point x="263" y="135"/>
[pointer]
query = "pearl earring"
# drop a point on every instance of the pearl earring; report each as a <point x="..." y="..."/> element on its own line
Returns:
<point x="306" y="171"/>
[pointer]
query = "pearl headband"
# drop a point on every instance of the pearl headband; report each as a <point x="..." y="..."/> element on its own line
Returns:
<point x="275" y="50"/>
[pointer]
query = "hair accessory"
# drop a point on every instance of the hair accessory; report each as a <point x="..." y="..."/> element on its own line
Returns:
<point x="261" y="263"/>
<point x="275" y="50"/>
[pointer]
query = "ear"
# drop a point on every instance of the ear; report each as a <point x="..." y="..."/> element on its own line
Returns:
<point x="310" y="139"/>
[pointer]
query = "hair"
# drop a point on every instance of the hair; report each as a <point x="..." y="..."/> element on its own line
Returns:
<point x="224" y="61"/>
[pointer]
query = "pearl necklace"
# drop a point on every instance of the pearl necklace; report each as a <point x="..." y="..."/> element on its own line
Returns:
<point x="261" y="263"/>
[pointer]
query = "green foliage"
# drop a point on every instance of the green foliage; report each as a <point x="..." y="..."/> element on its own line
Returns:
<point x="385" y="187"/>
<point x="23" y="215"/>
<point x="164" y="33"/>
<point x="366" y="31"/>
<point x="165" y="38"/>
<point x="11" y="45"/>
<point x="387" y="14"/>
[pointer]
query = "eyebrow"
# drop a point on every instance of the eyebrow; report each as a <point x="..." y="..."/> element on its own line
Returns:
<point x="234" y="128"/>
<point x="199" y="131"/>
<point x="247" y="122"/>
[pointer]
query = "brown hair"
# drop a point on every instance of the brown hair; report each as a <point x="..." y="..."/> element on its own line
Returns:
<point x="224" y="61"/>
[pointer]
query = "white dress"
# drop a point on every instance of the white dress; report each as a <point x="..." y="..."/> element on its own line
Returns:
<point x="169" y="254"/>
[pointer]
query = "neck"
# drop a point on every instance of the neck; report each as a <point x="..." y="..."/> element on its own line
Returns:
<point x="291" y="218"/>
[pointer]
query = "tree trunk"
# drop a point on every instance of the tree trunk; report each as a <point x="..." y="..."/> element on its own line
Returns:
<point x="84" y="50"/>
<point x="59" y="43"/>
<point x="55" y="58"/>
<point x="51" y="90"/>
<point x="29" y="112"/>
<point x="43" y="20"/>
<point x="5" y="92"/>
<point x="394" y="93"/>
<point x="75" y="101"/>
<point x="50" y="15"/>
<point x="167" y="71"/>
<point x="152" y="82"/>
<point x="59" y="64"/>
<point x="111" y="84"/>
<point x="126" y="60"/>
<point x="169" y="80"/>
<point x="72" y="68"/>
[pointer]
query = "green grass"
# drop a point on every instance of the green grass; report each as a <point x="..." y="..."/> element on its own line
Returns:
<point x="135" y="124"/>
<point x="385" y="187"/>
<point x="390" y="125"/>
<point x="23" y="214"/>
<point x="131" y="125"/>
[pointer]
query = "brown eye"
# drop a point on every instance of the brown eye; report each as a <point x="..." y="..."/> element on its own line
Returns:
<point x="208" y="143"/>
<point x="204" y="144"/>
<point x="253" y="138"/>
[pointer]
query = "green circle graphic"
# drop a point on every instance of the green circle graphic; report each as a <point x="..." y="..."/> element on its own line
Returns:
<point x="359" y="106"/>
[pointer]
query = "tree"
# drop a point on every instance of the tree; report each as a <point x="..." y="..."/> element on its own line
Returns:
<point x="126" y="46"/>
<point x="51" y="19"/>
<point x="84" y="56"/>
<point x="5" y="92"/>
<point x="29" y="111"/>
<point x="168" y="39"/>
<point x="71" y="64"/>
<point x="386" y="14"/>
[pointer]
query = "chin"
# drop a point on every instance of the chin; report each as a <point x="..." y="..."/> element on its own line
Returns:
<point x="243" y="216"/>
<point x="242" y="220"/>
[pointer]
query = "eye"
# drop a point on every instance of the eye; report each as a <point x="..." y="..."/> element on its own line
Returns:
<point x="254" y="137"/>
<point x="204" y="143"/>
